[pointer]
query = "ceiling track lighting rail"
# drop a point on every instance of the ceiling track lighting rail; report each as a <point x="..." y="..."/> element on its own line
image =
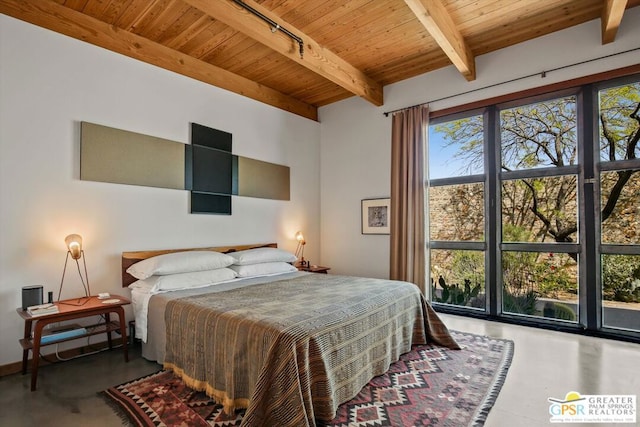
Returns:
<point x="274" y="25"/>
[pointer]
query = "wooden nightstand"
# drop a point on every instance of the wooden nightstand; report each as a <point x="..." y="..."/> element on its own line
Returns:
<point x="92" y="307"/>
<point x="314" y="269"/>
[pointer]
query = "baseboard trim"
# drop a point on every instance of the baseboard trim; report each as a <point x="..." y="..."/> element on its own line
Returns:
<point x="86" y="350"/>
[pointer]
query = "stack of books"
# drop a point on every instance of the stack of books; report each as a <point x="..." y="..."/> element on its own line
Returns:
<point x="42" y="309"/>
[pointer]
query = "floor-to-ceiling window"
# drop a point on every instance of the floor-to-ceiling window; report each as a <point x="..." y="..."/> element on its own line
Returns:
<point x="539" y="215"/>
<point x="534" y="209"/>
<point x="617" y="107"/>
<point x="456" y="212"/>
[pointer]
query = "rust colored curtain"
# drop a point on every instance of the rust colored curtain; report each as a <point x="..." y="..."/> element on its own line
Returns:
<point x="409" y="134"/>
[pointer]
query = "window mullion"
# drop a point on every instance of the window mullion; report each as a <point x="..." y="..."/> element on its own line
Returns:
<point x="589" y="266"/>
<point x="493" y="278"/>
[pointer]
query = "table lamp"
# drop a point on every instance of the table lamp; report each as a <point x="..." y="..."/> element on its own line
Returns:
<point x="74" y="249"/>
<point x="300" y="249"/>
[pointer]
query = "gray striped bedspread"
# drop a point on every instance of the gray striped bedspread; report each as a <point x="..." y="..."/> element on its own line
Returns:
<point x="291" y="351"/>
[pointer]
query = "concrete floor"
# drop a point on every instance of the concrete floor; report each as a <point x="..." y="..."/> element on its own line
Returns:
<point x="545" y="364"/>
<point x="67" y="393"/>
<point x="551" y="364"/>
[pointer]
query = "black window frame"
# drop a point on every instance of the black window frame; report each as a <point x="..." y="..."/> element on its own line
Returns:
<point x="589" y="247"/>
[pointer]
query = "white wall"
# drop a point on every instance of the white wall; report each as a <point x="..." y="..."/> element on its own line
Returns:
<point x="355" y="135"/>
<point x="48" y="84"/>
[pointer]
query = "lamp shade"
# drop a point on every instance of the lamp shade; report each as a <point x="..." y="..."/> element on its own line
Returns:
<point x="74" y="244"/>
<point x="300" y="248"/>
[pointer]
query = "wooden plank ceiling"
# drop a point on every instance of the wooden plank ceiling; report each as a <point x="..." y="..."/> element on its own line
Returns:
<point x="298" y="55"/>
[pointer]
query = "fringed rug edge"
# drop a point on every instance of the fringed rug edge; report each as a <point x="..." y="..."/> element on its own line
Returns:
<point x="124" y="407"/>
<point x="498" y="381"/>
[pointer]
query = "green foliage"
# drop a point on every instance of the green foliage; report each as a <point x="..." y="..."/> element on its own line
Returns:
<point x="547" y="274"/>
<point x="616" y="106"/>
<point x="554" y="275"/>
<point x="455" y="294"/>
<point x="524" y="303"/>
<point x="621" y="278"/>
<point x="556" y="310"/>
<point x="517" y="266"/>
<point x="469" y="265"/>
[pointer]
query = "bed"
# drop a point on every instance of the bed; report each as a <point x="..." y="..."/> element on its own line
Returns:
<point x="289" y="347"/>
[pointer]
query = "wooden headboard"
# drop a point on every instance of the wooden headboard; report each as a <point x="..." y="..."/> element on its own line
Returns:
<point x="130" y="258"/>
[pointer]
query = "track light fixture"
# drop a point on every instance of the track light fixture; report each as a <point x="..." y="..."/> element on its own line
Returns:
<point x="274" y="25"/>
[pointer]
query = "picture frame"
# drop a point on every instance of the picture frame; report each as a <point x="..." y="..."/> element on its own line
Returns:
<point x="376" y="215"/>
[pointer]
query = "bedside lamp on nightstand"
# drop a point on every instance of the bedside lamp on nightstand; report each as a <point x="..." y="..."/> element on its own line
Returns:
<point x="74" y="249"/>
<point x="300" y="250"/>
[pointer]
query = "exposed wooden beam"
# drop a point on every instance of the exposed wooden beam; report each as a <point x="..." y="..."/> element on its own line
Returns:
<point x="435" y="18"/>
<point x="51" y="15"/>
<point x="612" y="12"/>
<point x="315" y="58"/>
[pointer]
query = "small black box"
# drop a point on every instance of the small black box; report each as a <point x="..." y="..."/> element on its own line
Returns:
<point x="31" y="295"/>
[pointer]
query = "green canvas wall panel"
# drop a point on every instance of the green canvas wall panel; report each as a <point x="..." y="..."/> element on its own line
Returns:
<point x="123" y="157"/>
<point x="262" y="179"/>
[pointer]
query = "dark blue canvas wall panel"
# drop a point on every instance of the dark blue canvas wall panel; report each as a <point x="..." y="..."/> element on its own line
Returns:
<point x="204" y="203"/>
<point x="212" y="170"/>
<point x="209" y="137"/>
<point x="209" y="170"/>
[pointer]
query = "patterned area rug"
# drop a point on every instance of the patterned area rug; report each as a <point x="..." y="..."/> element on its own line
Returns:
<point x="429" y="386"/>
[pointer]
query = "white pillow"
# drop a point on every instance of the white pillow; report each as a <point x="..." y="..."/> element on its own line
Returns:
<point x="178" y="281"/>
<point x="263" y="269"/>
<point x="179" y="262"/>
<point x="260" y="255"/>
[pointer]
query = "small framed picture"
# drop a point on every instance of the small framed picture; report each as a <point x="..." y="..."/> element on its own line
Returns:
<point x="375" y="216"/>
